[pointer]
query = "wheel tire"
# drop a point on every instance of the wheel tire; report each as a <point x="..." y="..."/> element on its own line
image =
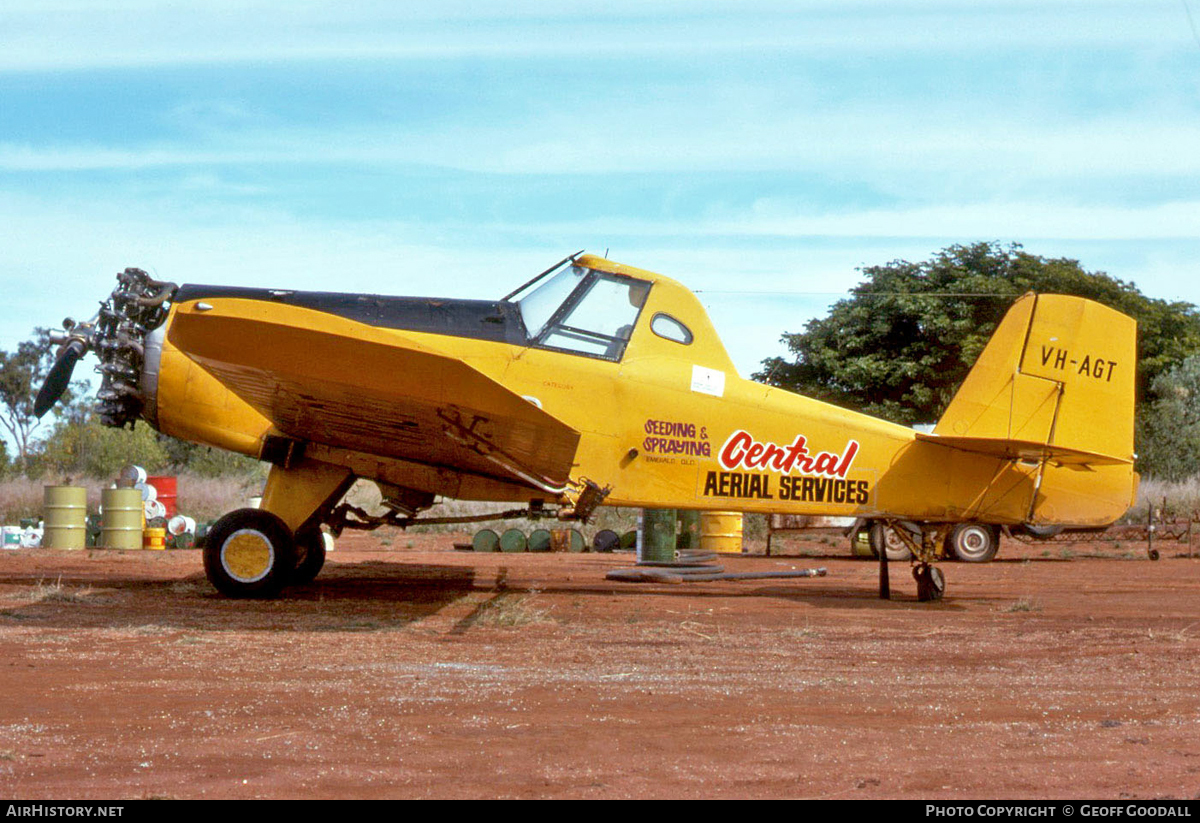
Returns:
<point x="310" y="555"/>
<point x="882" y="538"/>
<point x="973" y="542"/>
<point x="931" y="583"/>
<point x="249" y="553"/>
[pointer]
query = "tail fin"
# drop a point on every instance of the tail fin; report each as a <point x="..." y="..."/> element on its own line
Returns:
<point x="1056" y="384"/>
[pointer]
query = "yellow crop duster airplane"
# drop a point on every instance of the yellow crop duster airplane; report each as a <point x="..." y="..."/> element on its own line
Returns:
<point x="593" y="383"/>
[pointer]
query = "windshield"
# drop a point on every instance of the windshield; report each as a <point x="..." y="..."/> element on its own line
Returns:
<point x="584" y="311"/>
<point x="539" y="306"/>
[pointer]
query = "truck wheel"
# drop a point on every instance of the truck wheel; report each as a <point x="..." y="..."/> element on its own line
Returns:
<point x="973" y="542"/>
<point x="883" y="538"/>
<point x="249" y="553"/>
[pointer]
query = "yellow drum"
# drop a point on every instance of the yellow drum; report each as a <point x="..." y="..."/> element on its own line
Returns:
<point x="65" y="515"/>
<point x="721" y="532"/>
<point x="121" y="519"/>
<point x="155" y="539"/>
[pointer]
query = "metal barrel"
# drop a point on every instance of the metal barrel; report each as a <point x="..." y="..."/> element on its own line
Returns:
<point x="166" y="486"/>
<point x="606" y="540"/>
<point x="539" y="540"/>
<point x="656" y="535"/>
<point x="181" y="524"/>
<point x="513" y="540"/>
<point x="155" y="539"/>
<point x="485" y="540"/>
<point x="721" y="532"/>
<point x="567" y="540"/>
<point x="689" y="530"/>
<point x="121" y="527"/>
<point x="130" y="476"/>
<point x="860" y="544"/>
<point x="65" y="515"/>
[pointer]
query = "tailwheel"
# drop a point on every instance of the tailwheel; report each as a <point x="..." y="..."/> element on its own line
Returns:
<point x="250" y="553"/>
<point x="310" y="555"/>
<point x="931" y="583"/>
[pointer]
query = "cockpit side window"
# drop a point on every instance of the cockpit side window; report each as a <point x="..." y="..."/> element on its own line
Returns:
<point x="668" y="328"/>
<point x="595" y="314"/>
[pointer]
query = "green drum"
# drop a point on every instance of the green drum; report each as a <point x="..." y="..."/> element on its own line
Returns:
<point x="657" y="536"/>
<point x="65" y="515"/>
<point x="485" y="540"/>
<point x="576" y="542"/>
<point x="122" y="519"/>
<point x="539" y="540"/>
<point x="513" y="540"/>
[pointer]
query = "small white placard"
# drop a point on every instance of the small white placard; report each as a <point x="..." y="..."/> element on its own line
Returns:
<point x="708" y="381"/>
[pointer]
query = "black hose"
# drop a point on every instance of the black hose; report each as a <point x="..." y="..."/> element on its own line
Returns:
<point x="165" y="290"/>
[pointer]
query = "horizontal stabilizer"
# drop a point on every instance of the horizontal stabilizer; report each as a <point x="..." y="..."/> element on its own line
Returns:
<point x="1030" y="450"/>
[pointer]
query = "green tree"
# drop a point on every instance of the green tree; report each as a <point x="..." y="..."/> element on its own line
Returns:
<point x="904" y="341"/>
<point x="207" y="461"/>
<point x="1169" y="426"/>
<point x="21" y="375"/>
<point x="90" y="449"/>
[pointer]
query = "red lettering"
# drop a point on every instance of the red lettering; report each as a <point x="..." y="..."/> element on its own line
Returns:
<point x="741" y="450"/>
<point x="734" y="450"/>
<point x="826" y="463"/>
<point x="773" y="455"/>
<point x="847" y="458"/>
<point x="794" y="452"/>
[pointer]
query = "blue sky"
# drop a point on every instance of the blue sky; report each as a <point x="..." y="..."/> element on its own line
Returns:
<point x="458" y="148"/>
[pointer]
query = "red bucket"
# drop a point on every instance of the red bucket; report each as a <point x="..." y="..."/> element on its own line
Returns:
<point x="167" y="488"/>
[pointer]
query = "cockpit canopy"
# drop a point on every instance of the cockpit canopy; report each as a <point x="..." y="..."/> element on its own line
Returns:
<point x="582" y="311"/>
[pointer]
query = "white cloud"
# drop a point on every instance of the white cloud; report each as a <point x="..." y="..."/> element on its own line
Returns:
<point x="63" y="36"/>
<point x="857" y="142"/>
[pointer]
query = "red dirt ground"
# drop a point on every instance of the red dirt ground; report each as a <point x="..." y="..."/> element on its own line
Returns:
<point x="427" y="672"/>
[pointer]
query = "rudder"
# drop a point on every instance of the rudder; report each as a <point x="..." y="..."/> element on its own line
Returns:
<point x="1058" y="371"/>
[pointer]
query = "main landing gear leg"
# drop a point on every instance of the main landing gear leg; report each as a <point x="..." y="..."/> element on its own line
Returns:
<point x="256" y="552"/>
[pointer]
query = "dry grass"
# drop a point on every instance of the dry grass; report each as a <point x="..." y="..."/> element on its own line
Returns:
<point x="1179" y="498"/>
<point x="56" y="592"/>
<point x="510" y="612"/>
<point x="1024" y="604"/>
<point x="200" y="497"/>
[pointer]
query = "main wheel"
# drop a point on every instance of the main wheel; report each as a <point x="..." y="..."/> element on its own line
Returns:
<point x="882" y="538"/>
<point x="310" y="555"/>
<point x="931" y="583"/>
<point x="249" y="553"/>
<point x="973" y="542"/>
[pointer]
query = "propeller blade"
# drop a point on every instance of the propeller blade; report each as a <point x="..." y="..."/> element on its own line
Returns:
<point x="59" y="377"/>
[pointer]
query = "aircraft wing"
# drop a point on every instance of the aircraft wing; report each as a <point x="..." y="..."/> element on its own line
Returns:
<point x="325" y="378"/>
<point x="1024" y="450"/>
